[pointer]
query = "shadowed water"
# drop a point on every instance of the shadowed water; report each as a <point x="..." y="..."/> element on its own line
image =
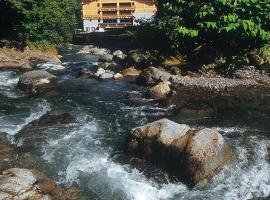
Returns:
<point x="90" y="154"/>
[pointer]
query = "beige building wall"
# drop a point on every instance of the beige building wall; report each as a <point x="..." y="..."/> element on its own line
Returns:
<point x="94" y="16"/>
<point x="90" y="8"/>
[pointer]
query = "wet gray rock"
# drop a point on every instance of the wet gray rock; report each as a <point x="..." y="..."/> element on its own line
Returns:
<point x="85" y="74"/>
<point x="153" y="76"/>
<point x="22" y="184"/>
<point x="31" y="81"/>
<point x="52" y="119"/>
<point x="206" y="153"/>
<point x="98" y="73"/>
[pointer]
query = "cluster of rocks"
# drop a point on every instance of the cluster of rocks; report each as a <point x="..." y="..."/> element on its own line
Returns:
<point x="200" y="154"/>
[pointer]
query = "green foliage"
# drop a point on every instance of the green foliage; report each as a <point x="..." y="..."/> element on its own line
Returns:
<point x="52" y="21"/>
<point x="230" y="24"/>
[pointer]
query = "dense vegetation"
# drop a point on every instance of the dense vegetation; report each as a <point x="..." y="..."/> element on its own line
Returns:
<point x="222" y="35"/>
<point x="46" y="21"/>
<point x="230" y="24"/>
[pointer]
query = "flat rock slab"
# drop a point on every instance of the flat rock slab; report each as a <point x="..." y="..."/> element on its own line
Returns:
<point x="22" y="184"/>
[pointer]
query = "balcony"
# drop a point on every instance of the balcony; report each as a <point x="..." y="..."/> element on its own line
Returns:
<point x="115" y="25"/>
<point x="107" y="16"/>
<point x="131" y="8"/>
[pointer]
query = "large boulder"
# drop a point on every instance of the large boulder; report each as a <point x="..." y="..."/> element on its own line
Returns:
<point x="31" y="81"/>
<point x="153" y="76"/>
<point x="22" y="184"/>
<point x="158" y="137"/>
<point x="160" y="91"/>
<point x="207" y="151"/>
<point x="193" y="155"/>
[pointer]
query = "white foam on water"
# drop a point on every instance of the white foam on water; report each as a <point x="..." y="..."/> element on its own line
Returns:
<point x="7" y="79"/>
<point x="249" y="176"/>
<point x="37" y="111"/>
<point x="81" y="151"/>
<point x="8" y="82"/>
<point x="130" y="182"/>
<point x="230" y="129"/>
<point x="146" y="110"/>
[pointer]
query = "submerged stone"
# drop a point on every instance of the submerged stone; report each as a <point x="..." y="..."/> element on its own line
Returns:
<point x="7" y="150"/>
<point x="52" y="119"/>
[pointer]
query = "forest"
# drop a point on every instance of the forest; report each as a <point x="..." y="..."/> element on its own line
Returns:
<point x="40" y="22"/>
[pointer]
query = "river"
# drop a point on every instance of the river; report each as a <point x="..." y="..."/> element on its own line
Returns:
<point x="90" y="154"/>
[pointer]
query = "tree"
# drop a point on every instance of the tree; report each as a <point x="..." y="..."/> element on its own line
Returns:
<point x="52" y="21"/>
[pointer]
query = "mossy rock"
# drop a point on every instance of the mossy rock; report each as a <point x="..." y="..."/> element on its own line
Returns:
<point x="173" y="64"/>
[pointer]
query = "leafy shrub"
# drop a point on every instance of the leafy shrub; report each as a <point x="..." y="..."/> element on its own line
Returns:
<point x="227" y="24"/>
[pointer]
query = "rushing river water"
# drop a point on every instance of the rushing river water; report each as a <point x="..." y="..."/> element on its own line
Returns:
<point x="90" y="154"/>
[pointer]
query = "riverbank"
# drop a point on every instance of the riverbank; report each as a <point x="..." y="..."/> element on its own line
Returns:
<point x="165" y="82"/>
<point x="24" y="58"/>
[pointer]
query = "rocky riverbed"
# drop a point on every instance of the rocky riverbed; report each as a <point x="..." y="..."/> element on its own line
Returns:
<point x="76" y="122"/>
